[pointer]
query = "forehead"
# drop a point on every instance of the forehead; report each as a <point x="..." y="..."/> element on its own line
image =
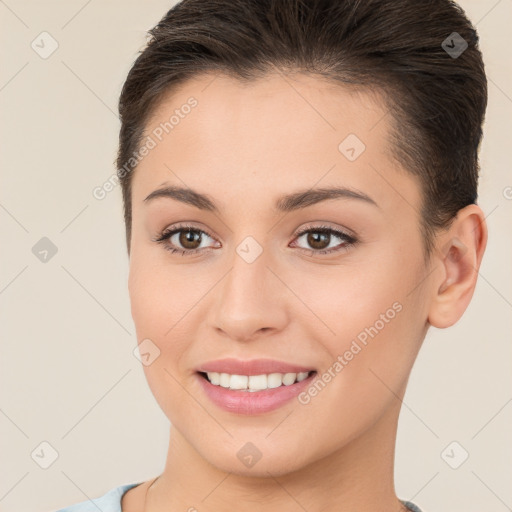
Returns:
<point x="236" y="139"/>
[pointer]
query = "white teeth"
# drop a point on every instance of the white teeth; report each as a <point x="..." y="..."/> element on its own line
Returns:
<point x="224" y="380"/>
<point x="214" y="378"/>
<point x="274" y="380"/>
<point x="258" y="382"/>
<point x="254" y="383"/>
<point x="302" y="376"/>
<point x="289" y="378"/>
<point x="238" y="381"/>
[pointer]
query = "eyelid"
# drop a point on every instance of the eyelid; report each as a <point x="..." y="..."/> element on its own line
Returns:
<point x="182" y="227"/>
<point x="314" y="225"/>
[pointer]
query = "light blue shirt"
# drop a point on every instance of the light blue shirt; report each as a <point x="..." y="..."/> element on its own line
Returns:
<point x="111" y="502"/>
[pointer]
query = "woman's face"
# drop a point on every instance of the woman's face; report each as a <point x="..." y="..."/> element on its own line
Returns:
<point x="249" y="286"/>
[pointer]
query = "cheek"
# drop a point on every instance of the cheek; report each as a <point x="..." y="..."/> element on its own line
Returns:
<point x="368" y="317"/>
<point x="159" y="304"/>
<point x="159" y="296"/>
<point x="343" y="302"/>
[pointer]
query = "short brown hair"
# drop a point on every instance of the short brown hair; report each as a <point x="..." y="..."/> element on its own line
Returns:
<point x="400" y="48"/>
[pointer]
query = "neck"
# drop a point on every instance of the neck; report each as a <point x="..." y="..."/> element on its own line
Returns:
<point x="359" y="476"/>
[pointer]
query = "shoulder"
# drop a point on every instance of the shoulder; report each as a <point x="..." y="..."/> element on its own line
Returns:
<point x="109" y="502"/>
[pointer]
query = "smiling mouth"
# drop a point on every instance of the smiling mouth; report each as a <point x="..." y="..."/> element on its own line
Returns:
<point x="254" y="383"/>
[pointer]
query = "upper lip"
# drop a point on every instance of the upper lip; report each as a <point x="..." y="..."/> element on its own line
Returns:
<point x="251" y="367"/>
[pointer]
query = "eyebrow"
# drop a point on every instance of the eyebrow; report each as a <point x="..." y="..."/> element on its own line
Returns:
<point x="286" y="203"/>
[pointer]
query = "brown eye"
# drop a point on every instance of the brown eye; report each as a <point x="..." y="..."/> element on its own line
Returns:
<point x="189" y="239"/>
<point x="183" y="239"/>
<point x="319" y="238"/>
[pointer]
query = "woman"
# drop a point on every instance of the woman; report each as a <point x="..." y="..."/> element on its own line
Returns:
<point x="299" y="181"/>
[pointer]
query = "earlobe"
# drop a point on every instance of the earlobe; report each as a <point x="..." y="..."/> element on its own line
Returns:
<point x="458" y="259"/>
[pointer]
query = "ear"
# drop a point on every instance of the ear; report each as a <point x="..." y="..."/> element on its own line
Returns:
<point x="459" y="253"/>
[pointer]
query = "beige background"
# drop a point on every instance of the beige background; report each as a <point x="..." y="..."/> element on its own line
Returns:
<point x="68" y="373"/>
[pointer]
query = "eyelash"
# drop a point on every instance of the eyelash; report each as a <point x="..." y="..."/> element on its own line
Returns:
<point x="164" y="236"/>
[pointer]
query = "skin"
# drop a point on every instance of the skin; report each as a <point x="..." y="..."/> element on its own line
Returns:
<point x="245" y="146"/>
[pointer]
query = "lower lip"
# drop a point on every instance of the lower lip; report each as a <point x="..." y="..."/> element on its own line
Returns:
<point x="257" y="402"/>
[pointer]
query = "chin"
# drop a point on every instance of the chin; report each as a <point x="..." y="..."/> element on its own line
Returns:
<point x="255" y="456"/>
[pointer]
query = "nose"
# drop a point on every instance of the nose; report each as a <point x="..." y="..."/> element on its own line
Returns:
<point x="250" y="300"/>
